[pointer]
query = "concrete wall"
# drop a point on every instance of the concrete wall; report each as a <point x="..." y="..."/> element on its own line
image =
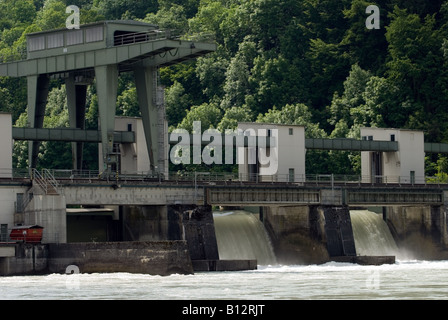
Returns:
<point x="420" y="232"/>
<point x="48" y="211"/>
<point x="129" y="195"/>
<point x="309" y="234"/>
<point x="154" y="257"/>
<point x="28" y="259"/>
<point x="6" y="145"/>
<point x="8" y="199"/>
<point x="297" y="234"/>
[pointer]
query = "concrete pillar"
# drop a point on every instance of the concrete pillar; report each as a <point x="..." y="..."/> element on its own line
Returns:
<point x="37" y="86"/>
<point x="48" y="211"/>
<point x="297" y="234"/>
<point x="420" y="231"/>
<point x="338" y="230"/>
<point x="200" y="232"/>
<point x="145" y="80"/>
<point x="76" y="103"/>
<point x="106" y="86"/>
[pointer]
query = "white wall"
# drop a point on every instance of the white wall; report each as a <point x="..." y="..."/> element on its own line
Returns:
<point x="135" y="156"/>
<point x="288" y="153"/>
<point x="397" y="166"/>
<point x="6" y="145"/>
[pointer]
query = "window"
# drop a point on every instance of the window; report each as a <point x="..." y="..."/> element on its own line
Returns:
<point x="74" y="37"/>
<point x="55" y="40"/>
<point x="129" y="126"/>
<point x="291" y="175"/>
<point x="19" y="203"/>
<point x="269" y="132"/>
<point x="290" y="131"/>
<point x="36" y="43"/>
<point x="392" y="137"/>
<point x="4" y="232"/>
<point x="94" y="34"/>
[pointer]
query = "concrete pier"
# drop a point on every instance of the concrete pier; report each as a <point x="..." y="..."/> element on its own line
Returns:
<point x="419" y="231"/>
<point x="153" y="257"/>
<point x="309" y="234"/>
<point x="150" y="257"/>
<point x="23" y="259"/>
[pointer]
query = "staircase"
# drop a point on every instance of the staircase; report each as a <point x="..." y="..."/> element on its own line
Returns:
<point x="45" y="181"/>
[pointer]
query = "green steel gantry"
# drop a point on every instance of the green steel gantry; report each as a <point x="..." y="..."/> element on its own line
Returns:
<point x="100" y="50"/>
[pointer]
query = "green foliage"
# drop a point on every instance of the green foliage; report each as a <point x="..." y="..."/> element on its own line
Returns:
<point x="207" y="113"/>
<point x="312" y="63"/>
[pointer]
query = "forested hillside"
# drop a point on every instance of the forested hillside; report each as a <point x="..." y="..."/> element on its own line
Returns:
<point x="310" y="62"/>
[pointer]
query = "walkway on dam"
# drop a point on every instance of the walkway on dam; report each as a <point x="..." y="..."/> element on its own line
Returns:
<point x="227" y="189"/>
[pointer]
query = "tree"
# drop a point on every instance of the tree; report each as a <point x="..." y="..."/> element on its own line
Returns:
<point x="415" y="65"/>
<point x="52" y="15"/>
<point x="177" y="103"/>
<point x="172" y="18"/>
<point x="298" y="114"/>
<point x="208" y="114"/>
<point x="234" y="115"/>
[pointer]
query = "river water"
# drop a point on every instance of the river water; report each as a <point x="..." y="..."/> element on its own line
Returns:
<point x="402" y="280"/>
<point x="406" y="279"/>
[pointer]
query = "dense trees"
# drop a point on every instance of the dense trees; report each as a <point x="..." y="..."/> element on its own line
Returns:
<point x="310" y="62"/>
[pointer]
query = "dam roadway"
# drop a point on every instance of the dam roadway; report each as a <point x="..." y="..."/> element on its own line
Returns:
<point x="227" y="190"/>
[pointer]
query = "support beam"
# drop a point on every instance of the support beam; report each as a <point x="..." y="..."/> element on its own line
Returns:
<point x="76" y="102"/>
<point x="106" y="86"/>
<point x="145" y="81"/>
<point x="38" y="86"/>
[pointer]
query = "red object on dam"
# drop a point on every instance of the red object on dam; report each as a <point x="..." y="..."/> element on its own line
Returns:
<point x="28" y="234"/>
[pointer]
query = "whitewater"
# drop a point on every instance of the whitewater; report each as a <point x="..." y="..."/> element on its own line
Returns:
<point x="402" y="280"/>
<point x="246" y="238"/>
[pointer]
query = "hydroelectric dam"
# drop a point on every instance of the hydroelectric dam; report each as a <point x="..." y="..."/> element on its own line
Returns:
<point x="165" y="226"/>
<point x="134" y="215"/>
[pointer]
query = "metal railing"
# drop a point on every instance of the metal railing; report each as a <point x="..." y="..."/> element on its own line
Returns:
<point x="144" y="36"/>
<point x="46" y="181"/>
<point x="55" y="177"/>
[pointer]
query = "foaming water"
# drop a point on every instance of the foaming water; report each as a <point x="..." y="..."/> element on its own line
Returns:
<point x="372" y="235"/>
<point x="241" y="235"/>
<point x="402" y="280"/>
<point x="405" y="279"/>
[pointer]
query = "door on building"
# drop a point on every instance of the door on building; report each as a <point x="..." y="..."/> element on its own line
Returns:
<point x="376" y="166"/>
<point x="291" y="175"/>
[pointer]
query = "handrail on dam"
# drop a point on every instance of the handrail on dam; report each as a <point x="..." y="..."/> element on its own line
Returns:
<point x="211" y="178"/>
<point x="93" y="187"/>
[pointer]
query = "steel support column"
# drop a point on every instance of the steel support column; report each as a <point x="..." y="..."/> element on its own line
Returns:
<point x="76" y="103"/>
<point x="107" y="86"/>
<point x="37" y="86"/>
<point x="145" y="81"/>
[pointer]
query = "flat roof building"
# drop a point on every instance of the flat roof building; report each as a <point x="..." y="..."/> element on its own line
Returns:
<point x="407" y="165"/>
<point x="283" y="160"/>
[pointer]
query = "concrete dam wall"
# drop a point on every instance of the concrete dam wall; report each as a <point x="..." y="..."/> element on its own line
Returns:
<point x="154" y="257"/>
<point x="184" y="239"/>
<point x="318" y="234"/>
